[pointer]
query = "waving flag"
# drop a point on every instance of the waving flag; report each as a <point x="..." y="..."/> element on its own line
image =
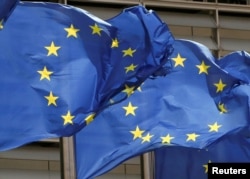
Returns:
<point x="193" y="106"/>
<point x="190" y="163"/>
<point x="60" y="66"/>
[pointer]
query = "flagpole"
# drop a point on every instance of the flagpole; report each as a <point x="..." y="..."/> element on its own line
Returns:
<point x="147" y="166"/>
<point x="67" y="150"/>
<point x="67" y="158"/>
<point x="63" y="1"/>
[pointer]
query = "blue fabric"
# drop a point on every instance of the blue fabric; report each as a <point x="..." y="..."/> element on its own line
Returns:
<point x="190" y="163"/>
<point x="193" y="106"/>
<point x="6" y="7"/>
<point x="60" y="66"/>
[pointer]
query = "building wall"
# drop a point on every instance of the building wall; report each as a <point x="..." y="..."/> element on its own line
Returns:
<point x="41" y="160"/>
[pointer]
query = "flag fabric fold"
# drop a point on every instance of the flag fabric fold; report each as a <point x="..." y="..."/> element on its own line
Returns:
<point x="190" y="163"/>
<point x="193" y="106"/>
<point x="60" y="65"/>
<point x="238" y="64"/>
<point x="6" y="7"/>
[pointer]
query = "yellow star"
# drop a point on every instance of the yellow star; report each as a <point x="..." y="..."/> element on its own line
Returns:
<point x="137" y="133"/>
<point x="128" y="90"/>
<point x="220" y="86"/>
<point x="147" y="138"/>
<point x="115" y="43"/>
<point x="51" y="99"/>
<point x="52" y="49"/>
<point x="192" y="137"/>
<point x="68" y="118"/>
<point x="128" y="52"/>
<point x="130" y="109"/>
<point x="72" y="31"/>
<point x="215" y="127"/>
<point x="203" y="67"/>
<point x="96" y="29"/>
<point x="167" y="139"/>
<point x="130" y="68"/>
<point x="45" y="74"/>
<point x="1" y="24"/>
<point x="206" y="166"/>
<point x="222" y="108"/>
<point x="178" y="60"/>
<point x="90" y="118"/>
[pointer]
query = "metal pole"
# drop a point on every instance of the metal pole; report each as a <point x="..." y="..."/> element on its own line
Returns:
<point x="63" y="1"/>
<point x="67" y="155"/>
<point x="147" y="166"/>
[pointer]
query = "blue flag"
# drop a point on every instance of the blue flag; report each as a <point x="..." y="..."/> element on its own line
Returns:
<point x="60" y="66"/>
<point x="6" y="7"/>
<point x="193" y="106"/>
<point x="190" y="163"/>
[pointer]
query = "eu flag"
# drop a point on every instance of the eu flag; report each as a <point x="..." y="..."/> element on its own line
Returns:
<point x="60" y="66"/>
<point x="193" y="106"/>
<point x="190" y="163"/>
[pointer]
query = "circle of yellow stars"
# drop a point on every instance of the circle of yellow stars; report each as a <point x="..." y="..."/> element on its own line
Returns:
<point x="168" y="139"/>
<point x="46" y="74"/>
<point x="53" y="49"/>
